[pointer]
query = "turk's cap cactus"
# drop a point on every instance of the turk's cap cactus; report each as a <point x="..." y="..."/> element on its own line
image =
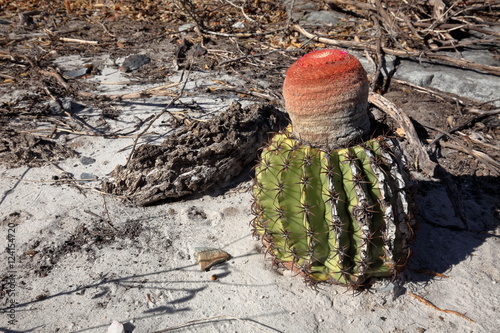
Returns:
<point x="326" y="97"/>
<point x="328" y="202"/>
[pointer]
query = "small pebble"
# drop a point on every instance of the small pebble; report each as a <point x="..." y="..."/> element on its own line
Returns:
<point x="239" y="25"/>
<point x="134" y="62"/>
<point x="87" y="160"/>
<point x="208" y="257"/>
<point x="116" y="327"/>
<point x="87" y="176"/>
<point x="78" y="72"/>
<point x="187" y="26"/>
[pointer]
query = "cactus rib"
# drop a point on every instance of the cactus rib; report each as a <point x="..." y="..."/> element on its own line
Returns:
<point x="333" y="215"/>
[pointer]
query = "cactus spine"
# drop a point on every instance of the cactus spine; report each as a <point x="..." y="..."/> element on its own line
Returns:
<point x="332" y="214"/>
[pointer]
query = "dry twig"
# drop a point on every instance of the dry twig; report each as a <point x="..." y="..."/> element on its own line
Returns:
<point x="213" y="319"/>
<point x="429" y="272"/>
<point x="426" y="302"/>
<point x="70" y="116"/>
<point x="465" y="124"/>
<point x="81" y="41"/>
<point x="165" y="110"/>
<point x="464" y="63"/>
<point x="420" y="156"/>
<point x="492" y="164"/>
<point x="57" y="76"/>
<point x="435" y="93"/>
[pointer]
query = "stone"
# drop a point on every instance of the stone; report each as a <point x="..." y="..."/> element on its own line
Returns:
<point x="87" y="160"/>
<point x="462" y="82"/>
<point x="323" y="17"/>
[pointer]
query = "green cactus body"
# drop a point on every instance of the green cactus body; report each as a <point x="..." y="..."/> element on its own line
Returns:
<point x="340" y="216"/>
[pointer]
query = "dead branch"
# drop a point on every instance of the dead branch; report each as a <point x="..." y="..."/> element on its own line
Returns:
<point x="57" y="76"/>
<point x="479" y="142"/>
<point x="242" y="9"/>
<point x="242" y="35"/>
<point x="245" y="57"/>
<point x="489" y="162"/>
<point x="420" y="157"/>
<point x="450" y="27"/>
<point x="464" y="63"/>
<point x="481" y="112"/>
<point x="13" y="56"/>
<point x="251" y="92"/>
<point x="384" y="17"/>
<point x="377" y="74"/>
<point x="465" y="124"/>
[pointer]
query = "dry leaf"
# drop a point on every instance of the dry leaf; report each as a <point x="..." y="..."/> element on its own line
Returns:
<point x="401" y="132"/>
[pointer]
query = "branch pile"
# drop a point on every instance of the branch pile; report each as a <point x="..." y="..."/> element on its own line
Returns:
<point x="419" y="29"/>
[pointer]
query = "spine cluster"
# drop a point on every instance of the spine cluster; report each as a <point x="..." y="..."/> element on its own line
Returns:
<point x="340" y="216"/>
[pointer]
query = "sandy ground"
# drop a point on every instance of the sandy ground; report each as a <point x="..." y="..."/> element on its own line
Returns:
<point x="78" y="259"/>
<point x="148" y="279"/>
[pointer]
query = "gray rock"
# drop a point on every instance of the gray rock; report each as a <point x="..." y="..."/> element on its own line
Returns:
<point x="414" y="73"/>
<point x="479" y="53"/>
<point x="186" y="27"/>
<point x="388" y="68"/>
<point x="239" y="25"/>
<point x="73" y="74"/>
<point x="135" y="61"/>
<point x="470" y="84"/>
<point x="465" y="83"/>
<point x="323" y="17"/>
<point x="480" y="56"/>
<point x="87" y="160"/>
<point x="87" y="176"/>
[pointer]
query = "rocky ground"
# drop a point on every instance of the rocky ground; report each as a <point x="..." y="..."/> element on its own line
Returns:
<point x="75" y="107"/>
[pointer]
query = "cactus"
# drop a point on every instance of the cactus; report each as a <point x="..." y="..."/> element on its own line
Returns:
<point x="332" y="211"/>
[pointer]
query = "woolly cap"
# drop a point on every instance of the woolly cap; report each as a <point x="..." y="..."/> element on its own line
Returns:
<point x="326" y="96"/>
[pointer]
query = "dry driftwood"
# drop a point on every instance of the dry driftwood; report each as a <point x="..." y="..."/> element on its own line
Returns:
<point x="197" y="158"/>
